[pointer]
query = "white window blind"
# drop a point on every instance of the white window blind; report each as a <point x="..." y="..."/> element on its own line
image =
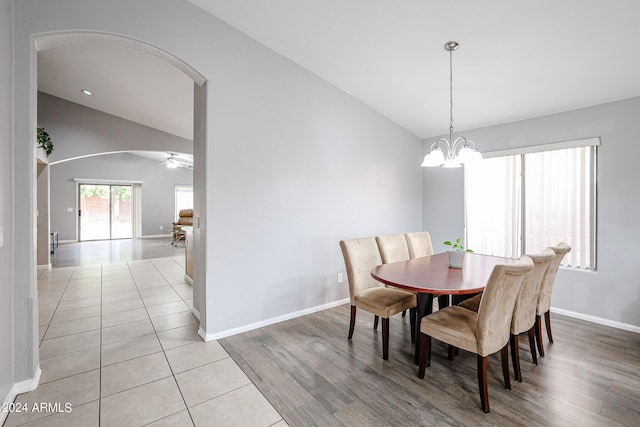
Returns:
<point x="492" y="188"/>
<point x="558" y="203"/>
<point x="184" y="198"/>
<point x="548" y="194"/>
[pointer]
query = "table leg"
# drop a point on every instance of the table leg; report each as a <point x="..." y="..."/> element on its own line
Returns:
<point x="425" y="307"/>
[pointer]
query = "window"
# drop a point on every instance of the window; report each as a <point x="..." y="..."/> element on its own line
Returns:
<point x="532" y="200"/>
<point x="184" y="198"/>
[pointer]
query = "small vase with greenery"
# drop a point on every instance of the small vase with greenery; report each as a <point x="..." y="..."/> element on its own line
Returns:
<point x="44" y="141"/>
<point x="456" y="253"/>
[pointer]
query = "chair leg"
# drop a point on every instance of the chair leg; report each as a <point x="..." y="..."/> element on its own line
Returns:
<point x="451" y="353"/>
<point x="504" y="356"/>
<point x="404" y="313"/>
<point x="538" y="333"/>
<point x="532" y="344"/>
<point x="547" y="321"/>
<point x="482" y="383"/>
<point x="385" y="338"/>
<point x="352" y="323"/>
<point x="515" y="357"/>
<point x="425" y="348"/>
<point x="375" y="322"/>
<point x="413" y="314"/>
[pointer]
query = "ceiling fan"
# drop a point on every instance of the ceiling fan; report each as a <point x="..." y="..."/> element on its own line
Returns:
<point x="172" y="162"/>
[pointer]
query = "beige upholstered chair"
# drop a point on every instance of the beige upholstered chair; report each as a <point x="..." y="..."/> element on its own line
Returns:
<point x="485" y="332"/>
<point x="419" y="244"/>
<point x="185" y="219"/>
<point x="393" y="248"/>
<point x="544" y="300"/>
<point x="360" y="256"/>
<point x="524" y="312"/>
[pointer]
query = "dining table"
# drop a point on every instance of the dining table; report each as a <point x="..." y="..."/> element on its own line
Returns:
<point x="431" y="276"/>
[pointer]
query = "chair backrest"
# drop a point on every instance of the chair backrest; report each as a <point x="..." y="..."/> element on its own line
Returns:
<point x="544" y="300"/>
<point x="419" y="244"/>
<point x="497" y="303"/>
<point x="393" y="248"/>
<point x="360" y="256"/>
<point x="524" y="312"/>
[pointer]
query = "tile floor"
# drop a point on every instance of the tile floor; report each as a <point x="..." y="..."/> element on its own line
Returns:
<point x="119" y="344"/>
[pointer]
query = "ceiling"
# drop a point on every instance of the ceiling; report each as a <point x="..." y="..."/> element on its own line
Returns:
<point x="124" y="83"/>
<point x="516" y="60"/>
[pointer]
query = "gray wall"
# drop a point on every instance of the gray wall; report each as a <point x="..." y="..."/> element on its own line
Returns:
<point x="611" y="293"/>
<point x="6" y="214"/>
<point x="293" y="164"/>
<point x="157" y="189"/>
<point x="76" y="131"/>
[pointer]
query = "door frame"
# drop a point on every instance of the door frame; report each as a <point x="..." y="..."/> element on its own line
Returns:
<point x="136" y="188"/>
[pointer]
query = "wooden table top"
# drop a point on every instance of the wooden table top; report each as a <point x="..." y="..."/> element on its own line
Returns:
<point x="432" y="274"/>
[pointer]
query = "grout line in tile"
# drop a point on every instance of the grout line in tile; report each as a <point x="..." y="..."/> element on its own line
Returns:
<point x="170" y="415"/>
<point x="57" y="305"/>
<point x="164" y="351"/>
<point x="230" y="391"/>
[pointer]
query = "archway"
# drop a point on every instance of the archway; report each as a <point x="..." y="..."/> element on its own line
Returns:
<point x="27" y="333"/>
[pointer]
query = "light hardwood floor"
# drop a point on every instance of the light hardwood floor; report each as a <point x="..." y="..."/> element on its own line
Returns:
<point x="312" y="375"/>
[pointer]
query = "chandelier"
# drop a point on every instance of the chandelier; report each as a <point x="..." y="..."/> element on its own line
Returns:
<point x="457" y="152"/>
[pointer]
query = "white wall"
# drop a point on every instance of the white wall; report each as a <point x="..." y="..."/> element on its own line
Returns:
<point x="612" y="293"/>
<point x="293" y="164"/>
<point x="158" y="189"/>
<point x="78" y="131"/>
<point x="6" y="214"/>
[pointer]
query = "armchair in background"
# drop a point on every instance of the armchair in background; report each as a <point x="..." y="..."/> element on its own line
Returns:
<point x="185" y="219"/>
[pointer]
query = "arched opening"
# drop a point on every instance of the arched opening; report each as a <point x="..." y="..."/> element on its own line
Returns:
<point x="50" y="41"/>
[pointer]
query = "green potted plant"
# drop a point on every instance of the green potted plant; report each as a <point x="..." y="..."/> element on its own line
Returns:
<point x="456" y="253"/>
<point x="44" y="141"/>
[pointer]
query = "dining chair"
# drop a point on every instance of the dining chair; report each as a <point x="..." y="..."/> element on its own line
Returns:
<point x="483" y="333"/>
<point x="393" y="248"/>
<point x="419" y="244"/>
<point x="524" y="312"/>
<point x="360" y="256"/>
<point x="544" y="299"/>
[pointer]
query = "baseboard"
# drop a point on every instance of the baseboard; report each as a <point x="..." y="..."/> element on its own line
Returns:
<point x="598" y="320"/>
<point x="195" y="312"/>
<point x="267" y="322"/>
<point x="60" y="242"/>
<point x="156" y="236"/>
<point x="44" y="267"/>
<point x="19" y="388"/>
<point x="188" y="279"/>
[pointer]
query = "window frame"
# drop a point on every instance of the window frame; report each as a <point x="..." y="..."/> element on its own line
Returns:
<point x="593" y="144"/>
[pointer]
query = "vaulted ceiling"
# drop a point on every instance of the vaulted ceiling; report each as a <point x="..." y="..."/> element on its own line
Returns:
<point x="516" y="60"/>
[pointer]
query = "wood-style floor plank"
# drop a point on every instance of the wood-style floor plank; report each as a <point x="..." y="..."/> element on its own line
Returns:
<point x="313" y="375"/>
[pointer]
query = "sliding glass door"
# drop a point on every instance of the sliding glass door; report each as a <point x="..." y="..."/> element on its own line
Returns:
<point x="105" y="212"/>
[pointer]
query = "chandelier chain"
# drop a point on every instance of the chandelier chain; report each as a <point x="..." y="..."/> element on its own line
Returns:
<point x="451" y="153"/>
<point x="450" y="94"/>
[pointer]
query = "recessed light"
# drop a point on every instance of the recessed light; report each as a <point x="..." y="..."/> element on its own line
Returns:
<point x="87" y="92"/>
